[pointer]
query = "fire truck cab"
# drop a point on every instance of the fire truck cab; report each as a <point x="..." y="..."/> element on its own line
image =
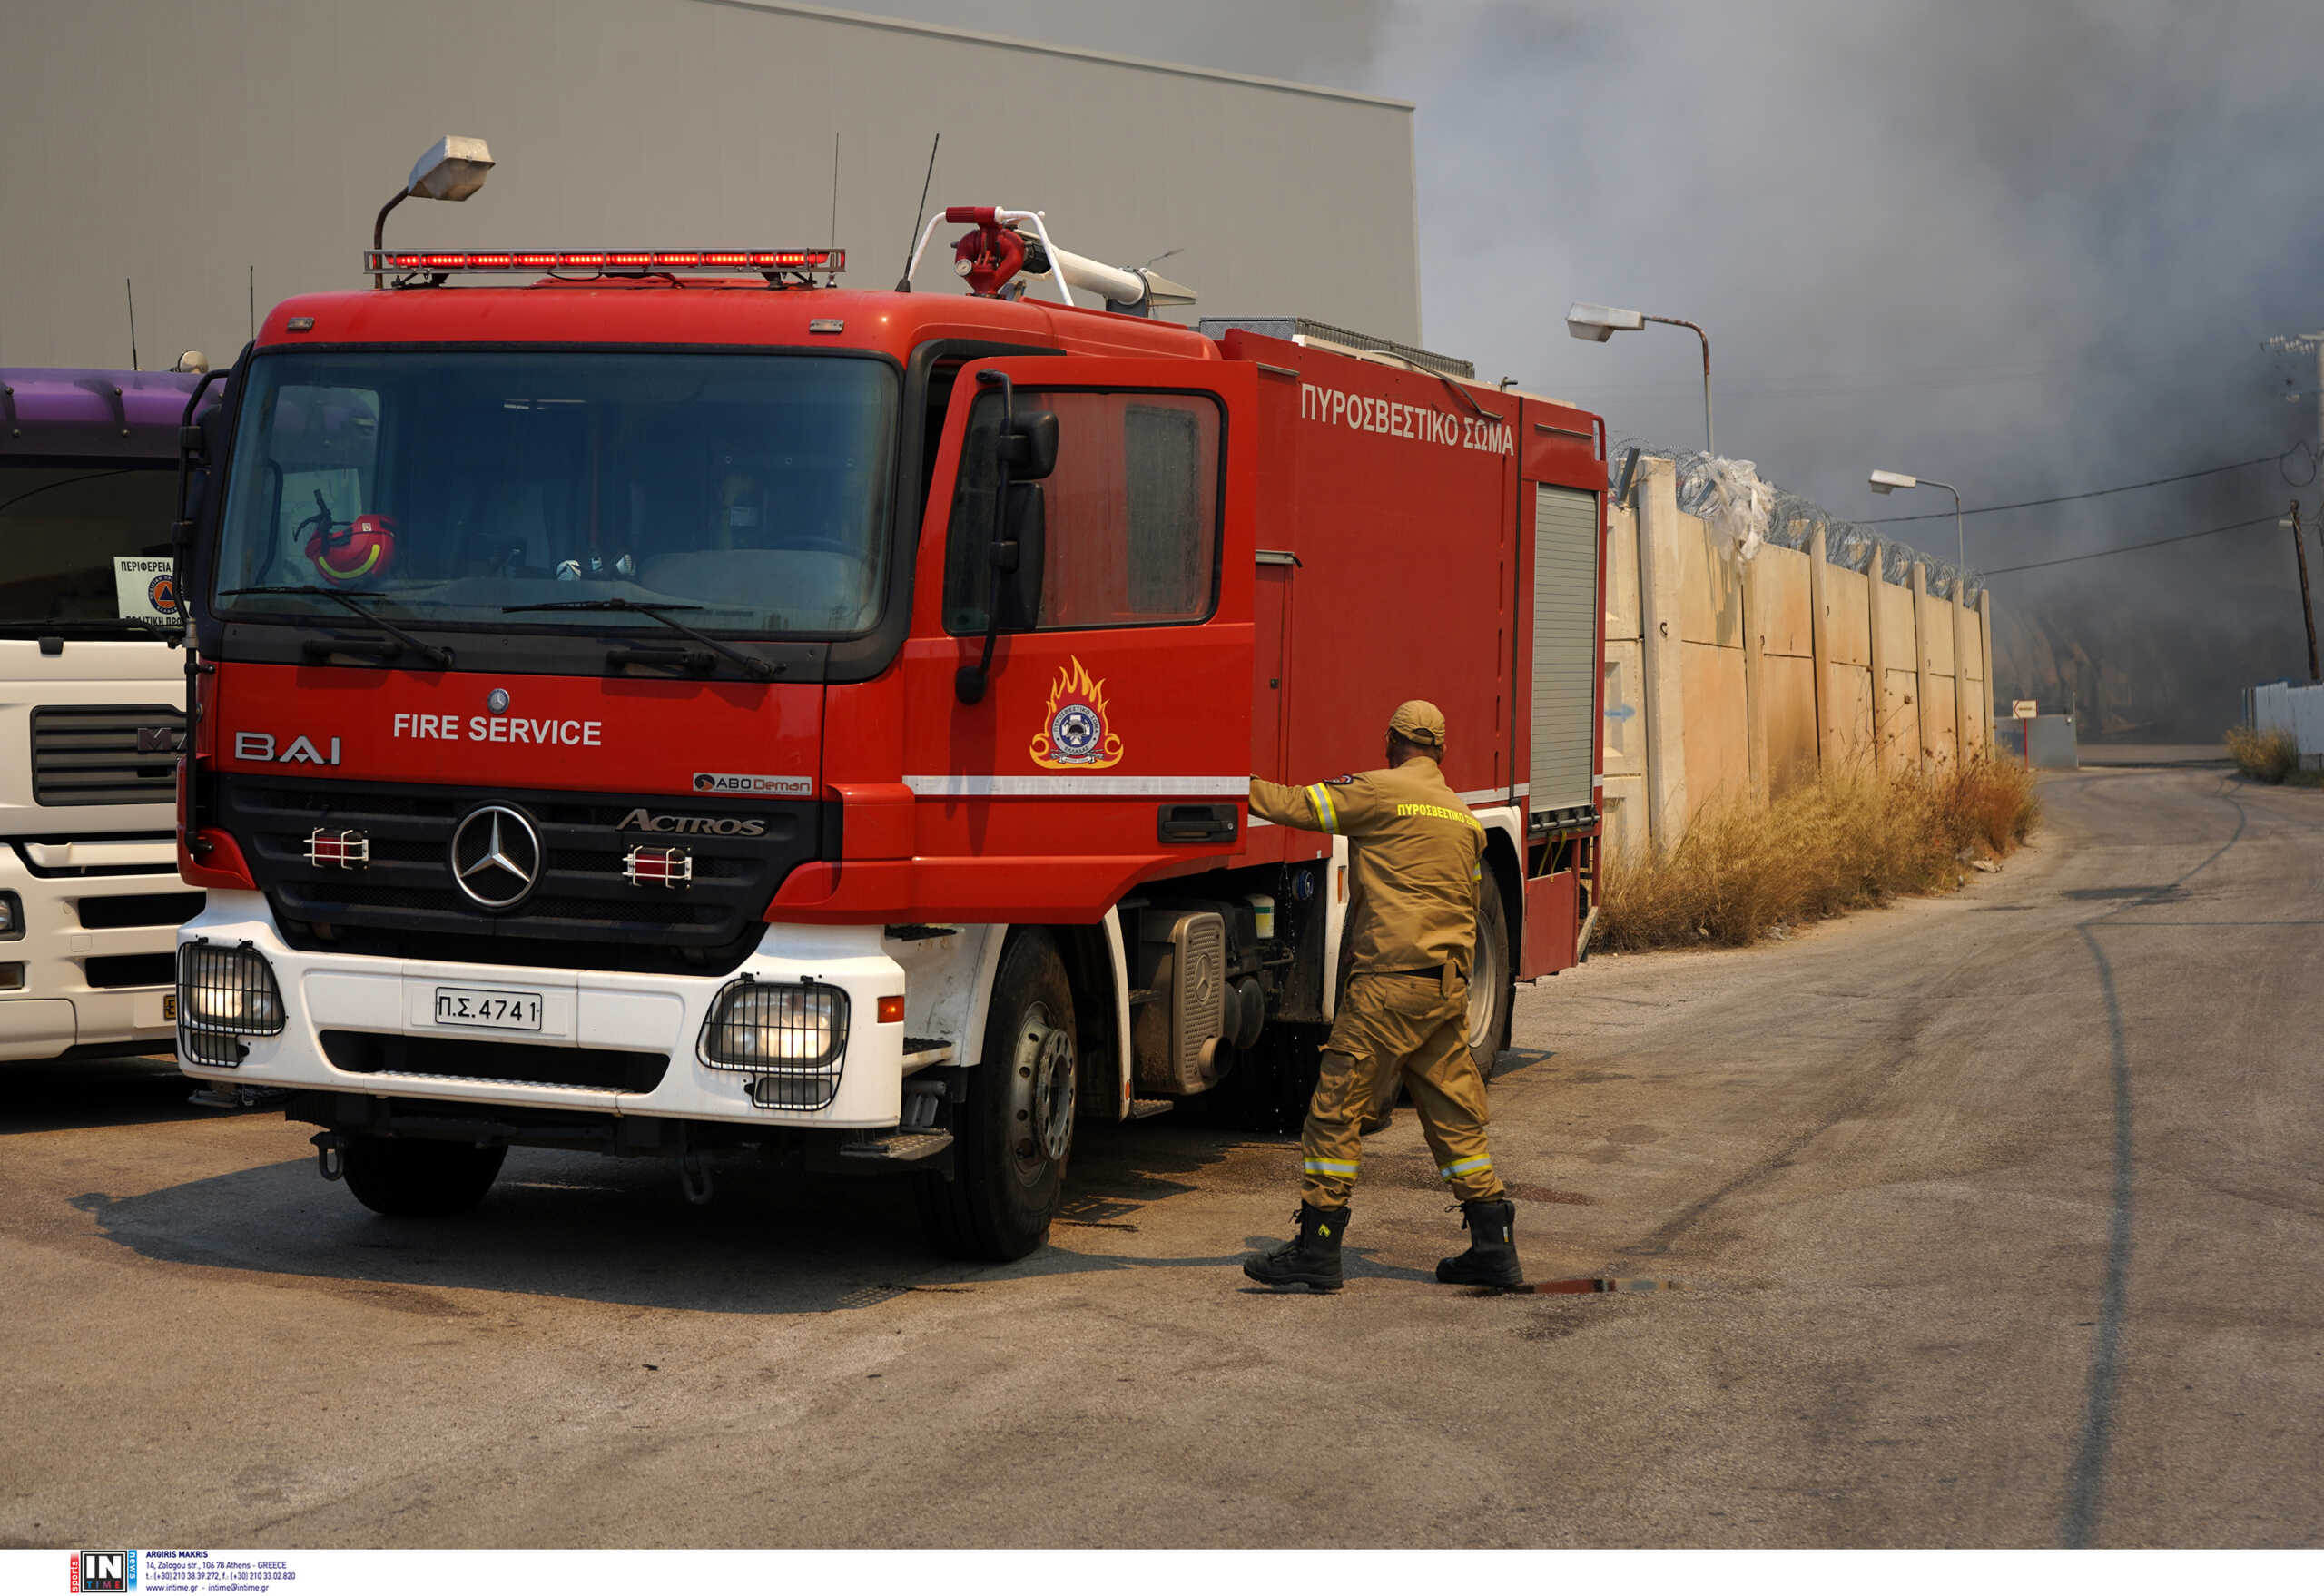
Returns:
<point x="673" y="704"/>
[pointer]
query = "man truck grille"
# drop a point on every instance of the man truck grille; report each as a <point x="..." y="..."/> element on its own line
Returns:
<point x="107" y="753"/>
<point x="582" y="910"/>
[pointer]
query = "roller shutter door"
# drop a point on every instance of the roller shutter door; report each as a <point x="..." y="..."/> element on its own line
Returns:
<point x="1565" y="645"/>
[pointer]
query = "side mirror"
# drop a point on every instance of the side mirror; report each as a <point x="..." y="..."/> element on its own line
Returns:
<point x="1029" y="449"/>
<point x="1025" y="452"/>
<point x="1019" y="556"/>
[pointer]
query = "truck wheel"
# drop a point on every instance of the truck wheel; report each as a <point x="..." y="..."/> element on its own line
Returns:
<point x="1012" y="1136"/>
<point x="419" y="1180"/>
<point x="1492" y="987"/>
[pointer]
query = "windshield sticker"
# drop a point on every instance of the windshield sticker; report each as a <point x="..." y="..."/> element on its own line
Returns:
<point x="754" y="786"/>
<point x="146" y="590"/>
<point x="365" y="546"/>
<point x="1076" y="737"/>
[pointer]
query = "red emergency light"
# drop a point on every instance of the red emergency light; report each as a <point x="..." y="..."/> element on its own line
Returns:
<point x="434" y="261"/>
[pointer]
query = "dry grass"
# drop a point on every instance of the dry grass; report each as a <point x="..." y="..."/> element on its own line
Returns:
<point x="1847" y="841"/>
<point x="2264" y="756"/>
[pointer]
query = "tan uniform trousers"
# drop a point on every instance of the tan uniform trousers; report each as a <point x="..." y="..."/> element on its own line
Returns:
<point x="1387" y="1025"/>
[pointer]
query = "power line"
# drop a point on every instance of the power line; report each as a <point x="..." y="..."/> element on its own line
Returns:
<point x="2069" y="497"/>
<point x="2267" y="520"/>
<point x="1843" y="384"/>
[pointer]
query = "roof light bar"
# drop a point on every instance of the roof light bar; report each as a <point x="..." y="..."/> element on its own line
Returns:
<point x="605" y="259"/>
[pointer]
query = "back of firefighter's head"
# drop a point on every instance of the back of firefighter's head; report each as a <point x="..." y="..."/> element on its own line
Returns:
<point x="1417" y="728"/>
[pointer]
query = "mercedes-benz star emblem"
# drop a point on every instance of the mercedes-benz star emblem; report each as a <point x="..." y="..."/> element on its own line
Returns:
<point x="497" y="701"/>
<point x="495" y="856"/>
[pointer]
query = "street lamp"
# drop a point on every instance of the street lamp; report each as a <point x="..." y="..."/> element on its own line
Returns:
<point x="1597" y="323"/>
<point x="1884" y="482"/>
<point x="453" y="169"/>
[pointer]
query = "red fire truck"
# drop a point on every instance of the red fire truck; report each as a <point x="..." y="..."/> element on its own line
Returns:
<point x="673" y="705"/>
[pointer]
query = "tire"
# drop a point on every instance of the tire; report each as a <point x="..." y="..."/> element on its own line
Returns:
<point x="1492" y="982"/>
<point x="1013" y="1137"/>
<point x="419" y="1180"/>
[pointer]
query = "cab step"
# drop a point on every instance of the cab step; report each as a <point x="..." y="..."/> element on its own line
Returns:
<point x="1148" y="1107"/>
<point x="898" y="1146"/>
<point x="921" y="1051"/>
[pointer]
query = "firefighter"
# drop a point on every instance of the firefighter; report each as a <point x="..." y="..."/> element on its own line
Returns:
<point x="1418" y="859"/>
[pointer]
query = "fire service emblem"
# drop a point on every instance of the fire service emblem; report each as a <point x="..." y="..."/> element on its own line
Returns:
<point x="1075" y="737"/>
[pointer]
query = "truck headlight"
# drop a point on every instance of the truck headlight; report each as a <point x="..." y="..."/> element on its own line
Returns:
<point x="224" y="993"/>
<point x="12" y="918"/>
<point x="794" y="1034"/>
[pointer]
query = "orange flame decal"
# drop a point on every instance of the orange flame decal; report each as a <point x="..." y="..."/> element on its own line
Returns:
<point x="1073" y="734"/>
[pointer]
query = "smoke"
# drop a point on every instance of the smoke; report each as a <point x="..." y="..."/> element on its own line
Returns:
<point x="2026" y="249"/>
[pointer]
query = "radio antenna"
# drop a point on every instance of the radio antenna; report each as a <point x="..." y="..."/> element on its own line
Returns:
<point x="254" y="302"/>
<point x="831" y="279"/>
<point x="903" y="284"/>
<point x="131" y="294"/>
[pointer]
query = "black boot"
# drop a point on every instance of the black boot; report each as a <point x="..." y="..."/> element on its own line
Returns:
<point x="1311" y="1260"/>
<point x="1491" y="1257"/>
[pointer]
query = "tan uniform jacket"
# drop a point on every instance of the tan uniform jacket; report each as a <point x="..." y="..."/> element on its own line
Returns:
<point x="1416" y="853"/>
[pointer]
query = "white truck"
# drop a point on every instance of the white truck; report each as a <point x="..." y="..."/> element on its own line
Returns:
<point x="91" y="711"/>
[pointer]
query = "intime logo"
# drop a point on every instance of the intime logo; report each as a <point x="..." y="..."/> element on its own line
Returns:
<point x="104" y="1571"/>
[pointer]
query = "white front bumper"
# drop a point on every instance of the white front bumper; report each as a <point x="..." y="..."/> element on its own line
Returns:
<point x="55" y="1007"/>
<point x="580" y="1007"/>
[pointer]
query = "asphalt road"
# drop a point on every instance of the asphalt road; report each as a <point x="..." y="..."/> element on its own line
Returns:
<point x="1993" y="1220"/>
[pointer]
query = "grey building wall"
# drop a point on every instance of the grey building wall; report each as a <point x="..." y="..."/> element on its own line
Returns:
<point x="181" y="144"/>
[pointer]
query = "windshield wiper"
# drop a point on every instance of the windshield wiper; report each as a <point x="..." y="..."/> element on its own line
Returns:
<point x="756" y="667"/>
<point x="442" y="658"/>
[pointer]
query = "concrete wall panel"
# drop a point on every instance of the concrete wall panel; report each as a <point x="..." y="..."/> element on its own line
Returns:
<point x="1621" y="574"/>
<point x="1900" y="724"/>
<point x="1624" y="805"/>
<point x="1937" y="726"/>
<point x="1850" y="697"/>
<point x="1717" y="752"/>
<point x="1787" y="690"/>
<point x="1786" y="623"/>
<point x="1710" y="588"/>
<point x="1623" y="729"/>
<point x="1936" y="634"/>
<point x="1896" y="622"/>
<point x="1847" y="593"/>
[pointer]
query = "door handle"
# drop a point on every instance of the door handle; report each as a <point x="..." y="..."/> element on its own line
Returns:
<point x="1195" y="823"/>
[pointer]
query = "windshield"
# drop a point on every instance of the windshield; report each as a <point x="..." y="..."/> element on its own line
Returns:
<point x="442" y="488"/>
<point x="85" y="548"/>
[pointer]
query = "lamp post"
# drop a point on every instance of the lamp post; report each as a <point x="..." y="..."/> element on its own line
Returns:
<point x="453" y="169"/>
<point x="1884" y="482"/>
<point x="1597" y="323"/>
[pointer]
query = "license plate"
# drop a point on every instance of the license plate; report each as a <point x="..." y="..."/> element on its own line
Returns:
<point x="170" y="1006"/>
<point x="494" y="1011"/>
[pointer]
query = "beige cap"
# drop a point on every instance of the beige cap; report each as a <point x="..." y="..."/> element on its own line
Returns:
<point x="1420" y="722"/>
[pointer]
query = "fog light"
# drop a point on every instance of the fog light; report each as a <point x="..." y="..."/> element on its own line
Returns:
<point x="224" y="993"/>
<point x="12" y="978"/>
<point x="12" y="917"/>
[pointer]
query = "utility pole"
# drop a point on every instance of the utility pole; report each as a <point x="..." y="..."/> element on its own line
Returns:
<point x="2306" y="613"/>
